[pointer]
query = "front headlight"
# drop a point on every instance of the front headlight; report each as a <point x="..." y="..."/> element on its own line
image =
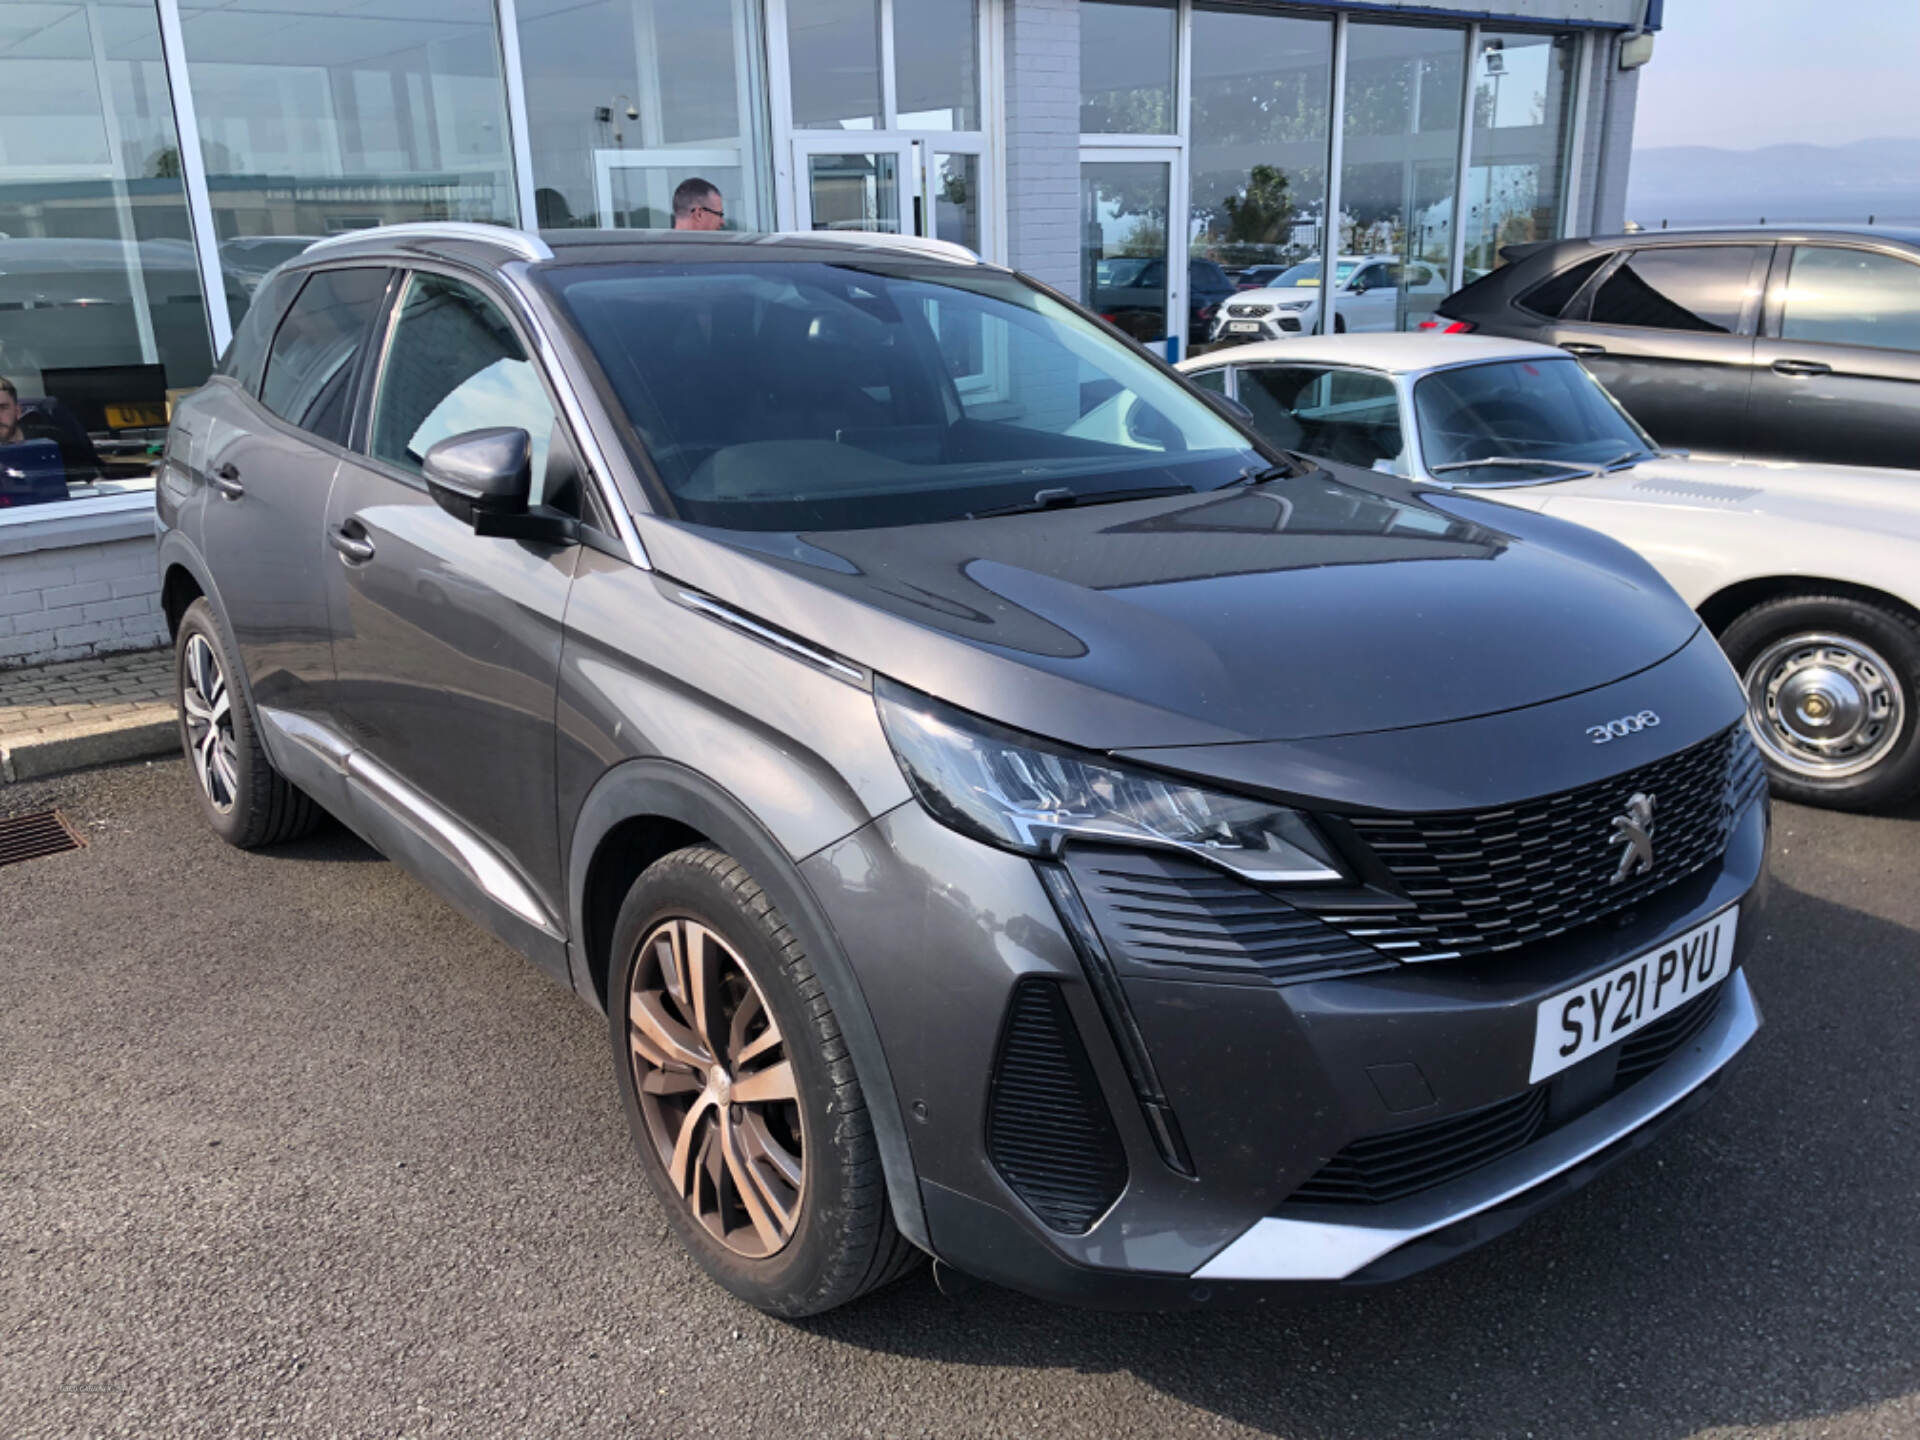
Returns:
<point x="1293" y="305"/>
<point x="1024" y="794"/>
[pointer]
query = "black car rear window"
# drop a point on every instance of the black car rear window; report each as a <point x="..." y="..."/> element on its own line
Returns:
<point x="804" y="394"/>
<point x="1550" y="298"/>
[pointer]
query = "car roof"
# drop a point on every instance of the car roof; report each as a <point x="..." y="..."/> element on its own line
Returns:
<point x="459" y="240"/>
<point x="1397" y="354"/>
<point x="1903" y="235"/>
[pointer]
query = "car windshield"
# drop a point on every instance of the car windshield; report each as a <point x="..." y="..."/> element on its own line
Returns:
<point x="1121" y="272"/>
<point x="794" y="395"/>
<point x="1308" y="273"/>
<point x="1516" y="420"/>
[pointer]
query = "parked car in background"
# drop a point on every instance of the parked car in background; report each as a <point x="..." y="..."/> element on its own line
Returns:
<point x="1068" y="850"/>
<point x="1777" y="343"/>
<point x="1256" y="276"/>
<point x="1367" y="296"/>
<point x="1808" y="574"/>
<point x="1130" y="291"/>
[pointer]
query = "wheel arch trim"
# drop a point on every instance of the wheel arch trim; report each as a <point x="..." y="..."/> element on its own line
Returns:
<point x="1733" y="598"/>
<point x="663" y="790"/>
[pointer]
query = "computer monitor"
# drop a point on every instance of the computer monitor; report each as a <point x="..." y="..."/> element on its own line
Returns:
<point x="31" y="473"/>
<point x="107" y="398"/>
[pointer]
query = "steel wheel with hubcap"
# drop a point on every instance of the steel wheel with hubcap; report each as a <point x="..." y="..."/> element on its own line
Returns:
<point x="1829" y="684"/>
<point x="740" y="1094"/>
<point x="716" y="1088"/>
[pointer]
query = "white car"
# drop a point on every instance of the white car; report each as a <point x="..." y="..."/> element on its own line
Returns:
<point x="1366" y="297"/>
<point x="1809" y="575"/>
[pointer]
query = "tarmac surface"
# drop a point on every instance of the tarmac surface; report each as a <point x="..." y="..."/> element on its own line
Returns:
<point x="287" y="1148"/>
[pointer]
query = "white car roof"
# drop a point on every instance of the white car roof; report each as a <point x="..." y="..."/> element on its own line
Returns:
<point x="1396" y="354"/>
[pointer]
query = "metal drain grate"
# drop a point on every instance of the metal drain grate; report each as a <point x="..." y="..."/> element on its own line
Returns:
<point x="30" y="837"/>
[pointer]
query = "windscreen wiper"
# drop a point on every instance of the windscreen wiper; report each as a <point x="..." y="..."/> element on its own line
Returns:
<point x="1061" y="498"/>
<point x="1576" y="466"/>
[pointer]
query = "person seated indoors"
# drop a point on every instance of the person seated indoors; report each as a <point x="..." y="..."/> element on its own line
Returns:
<point x="18" y="425"/>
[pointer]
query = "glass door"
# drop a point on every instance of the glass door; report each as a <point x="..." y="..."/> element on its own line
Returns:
<point x="1128" y="272"/>
<point x="842" y="183"/>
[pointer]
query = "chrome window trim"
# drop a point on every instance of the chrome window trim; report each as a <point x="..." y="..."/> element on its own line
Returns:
<point x="1283" y="1247"/>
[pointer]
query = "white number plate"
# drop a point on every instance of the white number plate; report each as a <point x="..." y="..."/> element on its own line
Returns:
<point x="1579" y="1022"/>
<point x="1243" y="326"/>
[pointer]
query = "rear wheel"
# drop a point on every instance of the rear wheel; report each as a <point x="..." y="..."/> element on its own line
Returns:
<point x="1831" y="687"/>
<point x="246" y="801"/>
<point x="740" y="1095"/>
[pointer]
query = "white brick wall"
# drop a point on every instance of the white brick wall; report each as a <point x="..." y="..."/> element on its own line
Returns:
<point x="1043" y="140"/>
<point x="79" y="600"/>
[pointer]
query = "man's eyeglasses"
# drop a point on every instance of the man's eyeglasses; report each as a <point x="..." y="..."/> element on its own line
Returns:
<point x="716" y="214"/>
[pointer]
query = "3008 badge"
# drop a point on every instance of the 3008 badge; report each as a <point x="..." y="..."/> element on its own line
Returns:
<point x="1619" y="729"/>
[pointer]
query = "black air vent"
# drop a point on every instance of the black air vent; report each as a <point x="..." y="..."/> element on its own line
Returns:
<point x="29" y="837"/>
<point x="1049" y="1132"/>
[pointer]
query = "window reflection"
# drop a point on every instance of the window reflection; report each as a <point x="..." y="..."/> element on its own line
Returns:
<point x="1126" y="67"/>
<point x="101" y="312"/>
<point x="1515" y="187"/>
<point x="313" y="123"/>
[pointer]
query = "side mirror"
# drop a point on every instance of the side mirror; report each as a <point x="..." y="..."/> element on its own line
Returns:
<point x="485" y="477"/>
<point x="1234" y="409"/>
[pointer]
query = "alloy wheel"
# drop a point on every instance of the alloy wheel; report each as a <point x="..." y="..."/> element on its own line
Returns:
<point x="716" y="1087"/>
<point x="1823" y="706"/>
<point x="209" y="705"/>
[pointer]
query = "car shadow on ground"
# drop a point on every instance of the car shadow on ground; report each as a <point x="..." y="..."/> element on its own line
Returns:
<point x="1760" y="1264"/>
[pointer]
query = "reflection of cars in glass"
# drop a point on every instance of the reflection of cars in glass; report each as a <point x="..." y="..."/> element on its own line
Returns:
<point x="1809" y="574"/>
<point x="1367" y="296"/>
<point x="1785" y="344"/>
<point x="1131" y="293"/>
<point x="875" y="686"/>
<point x="1255" y="277"/>
<point x="247" y="259"/>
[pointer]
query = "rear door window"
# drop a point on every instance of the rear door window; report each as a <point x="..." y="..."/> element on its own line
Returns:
<point x="1348" y="415"/>
<point x="1680" y="287"/>
<point x="311" y="365"/>
<point x="1837" y="296"/>
<point x="455" y="364"/>
<point x="246" y="357"/>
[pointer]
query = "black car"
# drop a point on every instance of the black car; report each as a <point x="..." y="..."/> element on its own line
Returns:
<point x="1005" y="810"/>
<point x="1131" y="293"/>
<point x="1776" y="344"/>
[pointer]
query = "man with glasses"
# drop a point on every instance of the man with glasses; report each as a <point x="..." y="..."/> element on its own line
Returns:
<point x="697" y="205"/>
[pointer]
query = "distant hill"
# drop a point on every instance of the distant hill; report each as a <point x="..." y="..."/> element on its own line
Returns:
<point x="1704" y="185"/>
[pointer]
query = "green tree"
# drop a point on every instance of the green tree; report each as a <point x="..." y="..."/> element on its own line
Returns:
<point x="1263" y="213"/>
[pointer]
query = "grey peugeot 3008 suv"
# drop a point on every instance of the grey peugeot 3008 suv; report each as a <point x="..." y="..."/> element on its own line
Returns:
<point x="1004" y="810"/>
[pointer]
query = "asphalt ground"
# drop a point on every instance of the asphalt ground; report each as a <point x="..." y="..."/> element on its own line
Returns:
<point x="287" y="1148"/>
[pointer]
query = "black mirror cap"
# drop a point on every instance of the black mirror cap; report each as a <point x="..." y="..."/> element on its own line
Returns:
<point x="481" y="472"/>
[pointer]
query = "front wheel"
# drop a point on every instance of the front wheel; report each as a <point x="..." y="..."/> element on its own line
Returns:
<point x="740" y="1095"/>
<point x="1831" y="689"/>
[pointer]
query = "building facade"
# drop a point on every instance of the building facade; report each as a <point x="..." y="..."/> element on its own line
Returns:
<point x="158" y="157"/>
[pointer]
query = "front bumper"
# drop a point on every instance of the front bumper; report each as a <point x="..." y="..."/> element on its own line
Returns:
<point x="1272" y="326"/>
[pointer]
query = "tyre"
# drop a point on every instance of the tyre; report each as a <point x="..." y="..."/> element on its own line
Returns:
<point x="1831" y="687"/>
<point x="244" y="798"/>
<point x="740" y="1095"/>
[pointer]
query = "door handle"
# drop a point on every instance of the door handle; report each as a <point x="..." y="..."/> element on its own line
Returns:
<point x="353" y="549"/>
<point x="1801" y="367"/>
<point x="1582" y="347"/>
<point x="226" y="480"/>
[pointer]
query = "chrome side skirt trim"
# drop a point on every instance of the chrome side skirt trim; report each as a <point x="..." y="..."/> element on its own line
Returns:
<point x="365" y="780"/>
<point x="799" y="649"/>
<point x="1282" y="1248"/>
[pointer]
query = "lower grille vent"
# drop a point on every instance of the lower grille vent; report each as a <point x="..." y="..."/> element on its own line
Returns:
<point x="1381" y="1168"/>
<point x="1049" y="1132"/>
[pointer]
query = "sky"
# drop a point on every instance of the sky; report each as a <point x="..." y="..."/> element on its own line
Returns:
<point x="1747" y="73"/>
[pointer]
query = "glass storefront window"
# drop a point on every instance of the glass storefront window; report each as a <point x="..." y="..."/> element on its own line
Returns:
<point x="1262" y="94"/>
<point x="1400" y="160"/>
<point x="316" y="121"/>
<point x="936" y="70"/>
<point x="833" y="53"/>
<point x="1515" y="184"/>
<point x="1127" y="67"/>
<point x="1123" y="253"/>
<point x="101" y="310"/>
<point x="628" y="98"/>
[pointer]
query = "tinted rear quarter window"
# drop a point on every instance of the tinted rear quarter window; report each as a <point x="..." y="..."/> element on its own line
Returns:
<point x="246" y="356"/>
<point x="1551" y="296"/>
<point x="1680" y="287"/>
<point x="310" y="368"/>
<point x="1838" y="296"/>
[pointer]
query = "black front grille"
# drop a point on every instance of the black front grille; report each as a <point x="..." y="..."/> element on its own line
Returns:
<point x="1244" y="312"/>
<point x="1168" y="915"/>
<point x="1049" y="1132"/>
<point x="1492" y="880"/>
<point x="1398" y="1163"/>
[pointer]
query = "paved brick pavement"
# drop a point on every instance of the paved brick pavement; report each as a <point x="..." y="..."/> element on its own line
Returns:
<point x="85" y="712"/>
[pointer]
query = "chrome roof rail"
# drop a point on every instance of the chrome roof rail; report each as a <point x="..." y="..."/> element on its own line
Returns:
<point x="519" y="242"/>
<point x="879" y="239"/>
